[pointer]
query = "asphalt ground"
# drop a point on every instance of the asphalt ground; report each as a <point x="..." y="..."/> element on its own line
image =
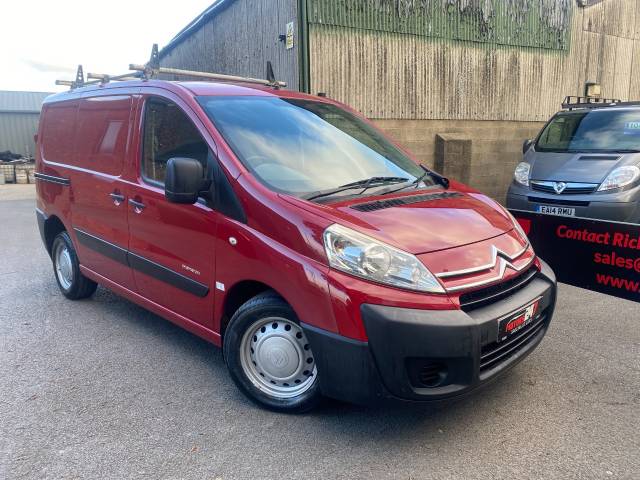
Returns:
<point x="101" y="388"/>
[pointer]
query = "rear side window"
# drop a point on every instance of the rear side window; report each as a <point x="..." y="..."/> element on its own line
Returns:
<point x="168" y="133"/>
<point x="58" y="132"/>
<point x="103" y="131"/>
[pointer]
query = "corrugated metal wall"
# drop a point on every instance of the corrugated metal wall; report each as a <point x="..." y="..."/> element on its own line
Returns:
<point x="240" y="39"/>
<point x="12" y="101"/>
<point x="526" y="23"/>
<point x="17" y="131"/>
<point x="389" y="75"/>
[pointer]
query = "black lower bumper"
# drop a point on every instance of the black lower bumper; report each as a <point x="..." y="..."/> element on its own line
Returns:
<point x="428" y="355"/>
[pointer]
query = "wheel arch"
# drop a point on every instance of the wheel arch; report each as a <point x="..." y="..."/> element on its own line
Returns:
<point x="240" y="293"/>
<point x="52" y="227"/>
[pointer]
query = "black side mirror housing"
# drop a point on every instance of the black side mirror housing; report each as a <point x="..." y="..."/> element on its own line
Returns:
<point x="526" y="145"/>
<point x="184" y="180"/>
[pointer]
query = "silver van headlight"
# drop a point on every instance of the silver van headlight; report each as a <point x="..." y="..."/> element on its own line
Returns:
<point x="521" y="175"/>
<point x="620" y="177"/>
<point x="365" y="257"/>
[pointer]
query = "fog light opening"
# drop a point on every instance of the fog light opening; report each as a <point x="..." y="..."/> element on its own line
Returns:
<point x="432" y="374"/>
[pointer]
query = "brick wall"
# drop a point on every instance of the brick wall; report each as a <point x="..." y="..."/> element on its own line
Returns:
<point x="494" y="148"/>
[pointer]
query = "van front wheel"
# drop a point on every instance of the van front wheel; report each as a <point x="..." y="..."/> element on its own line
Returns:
<point x="269" y="356"/>
<point x="66" y="268"/>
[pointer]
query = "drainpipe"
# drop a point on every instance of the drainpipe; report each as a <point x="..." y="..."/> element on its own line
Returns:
<point x="304" y="82"/>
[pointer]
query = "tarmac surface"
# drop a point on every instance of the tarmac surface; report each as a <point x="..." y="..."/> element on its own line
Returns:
<point x="101" y="388"/>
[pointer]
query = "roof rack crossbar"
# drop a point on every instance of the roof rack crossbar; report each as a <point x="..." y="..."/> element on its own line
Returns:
<point x="213" y="76"/>
<point x="152" y="69"/>
<point x="105" y="78"/>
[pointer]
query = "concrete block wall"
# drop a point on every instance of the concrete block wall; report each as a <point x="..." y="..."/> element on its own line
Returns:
<point x="495" y="148"/>
<point x="453" y="156"/>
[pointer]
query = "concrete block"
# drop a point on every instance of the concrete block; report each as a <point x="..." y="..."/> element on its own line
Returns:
<point x="453" y="156"/>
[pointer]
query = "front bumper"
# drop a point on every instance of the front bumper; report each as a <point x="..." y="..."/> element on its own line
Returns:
<point x="428" y="355"/>
<point x="622" y="207"/>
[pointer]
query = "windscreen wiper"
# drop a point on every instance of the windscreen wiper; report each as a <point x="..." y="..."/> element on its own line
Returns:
<point x="427" y="173"/>
<point x="361" y="184"/>
<point x="441" y="179"/>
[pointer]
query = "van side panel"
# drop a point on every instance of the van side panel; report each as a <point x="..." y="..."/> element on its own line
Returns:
<point x="98" y="205"/>
<point x="301" y="281"/>
<point x="55" y="150"/>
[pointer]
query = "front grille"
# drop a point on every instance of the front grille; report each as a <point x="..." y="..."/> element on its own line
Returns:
<point x="598" y="157"/>
<point x="408" y="200"/>
<point x="569" y="190"/>
<point x="497" y="354"/>
<point x="485" y="296"/>
<point x="559" y="201"/>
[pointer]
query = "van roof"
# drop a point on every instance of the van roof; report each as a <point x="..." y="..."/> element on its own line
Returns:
<point x="572" y="103"/>
<point x="608" y="108"/>
<point x="193" y="88"/>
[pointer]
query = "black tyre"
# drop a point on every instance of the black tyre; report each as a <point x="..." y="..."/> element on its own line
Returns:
<point x="269" y="357"/>
<point x="66" y="268"/>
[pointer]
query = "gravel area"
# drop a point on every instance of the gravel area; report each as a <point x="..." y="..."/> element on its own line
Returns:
<point x="104" y="389"/>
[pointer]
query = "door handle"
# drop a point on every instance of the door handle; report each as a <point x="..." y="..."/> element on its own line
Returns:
<point x="137" y="206"/>
<point x="117" y="198"/>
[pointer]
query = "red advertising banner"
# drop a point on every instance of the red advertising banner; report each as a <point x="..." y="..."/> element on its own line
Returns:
<point x="594" y="254"/>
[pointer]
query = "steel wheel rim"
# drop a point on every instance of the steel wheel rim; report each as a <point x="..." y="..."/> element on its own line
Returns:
<point x="64" y="266"/>
<point x="276" y="357"/>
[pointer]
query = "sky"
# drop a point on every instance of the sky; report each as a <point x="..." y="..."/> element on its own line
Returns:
<point x="41" y="41"/>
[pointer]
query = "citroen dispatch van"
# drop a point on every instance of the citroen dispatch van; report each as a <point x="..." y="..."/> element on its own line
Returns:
<point x="584" y="163"/>
<point x="286" y="229"/>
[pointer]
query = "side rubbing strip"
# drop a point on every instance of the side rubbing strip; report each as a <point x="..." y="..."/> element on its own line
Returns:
<point x="141" y="264"/>
<point x="166" y="275"/>
<point x="52" y="179"/>
<point x="103" y="247"/>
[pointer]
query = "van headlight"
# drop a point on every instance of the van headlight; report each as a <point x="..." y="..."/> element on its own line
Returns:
<point x="620" y="177"/>
<point x="365" y="257"/>
<point x="521" y="175"/>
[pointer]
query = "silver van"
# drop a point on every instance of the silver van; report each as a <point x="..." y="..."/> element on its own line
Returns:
<point x="584" y="163"/>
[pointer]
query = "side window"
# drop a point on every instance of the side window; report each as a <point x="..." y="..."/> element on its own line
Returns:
<point x="168" y="132"/>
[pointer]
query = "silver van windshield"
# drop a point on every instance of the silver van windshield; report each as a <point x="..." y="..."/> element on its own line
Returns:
<point x="592" y="131"/>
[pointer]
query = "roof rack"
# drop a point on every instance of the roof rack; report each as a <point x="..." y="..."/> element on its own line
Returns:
<point x="573" y="103"/>
<point x="152" y="69"/>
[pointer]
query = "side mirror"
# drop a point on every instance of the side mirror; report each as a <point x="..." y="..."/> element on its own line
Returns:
<point x="184" y="180"/>
<point x="526" y="145"/>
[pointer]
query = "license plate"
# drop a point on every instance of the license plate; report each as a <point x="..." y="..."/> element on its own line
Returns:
<point x="516" y="322"/>
<point x="560" y="211"/>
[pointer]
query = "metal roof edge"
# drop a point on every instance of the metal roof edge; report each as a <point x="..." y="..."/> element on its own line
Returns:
<point x="21" y="101"/>
<point x="21" y="112"/>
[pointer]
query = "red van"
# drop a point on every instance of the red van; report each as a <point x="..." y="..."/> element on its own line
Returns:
<point x="288" y="230"/>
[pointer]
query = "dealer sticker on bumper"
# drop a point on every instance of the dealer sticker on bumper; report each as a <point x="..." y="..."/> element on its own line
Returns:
<point x="560" y="211"/>
<point x="516" y="322"/>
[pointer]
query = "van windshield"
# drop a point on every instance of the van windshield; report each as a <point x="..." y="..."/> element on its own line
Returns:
<point x="305" y="147"/>
<point x="592" y="131"/>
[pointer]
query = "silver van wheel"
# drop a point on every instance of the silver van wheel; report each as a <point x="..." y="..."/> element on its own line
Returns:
<point x="276" y="357"/>
<point x="64" y="265"/>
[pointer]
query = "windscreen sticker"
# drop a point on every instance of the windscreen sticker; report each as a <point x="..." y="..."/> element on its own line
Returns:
<point x="632" y="128"/>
